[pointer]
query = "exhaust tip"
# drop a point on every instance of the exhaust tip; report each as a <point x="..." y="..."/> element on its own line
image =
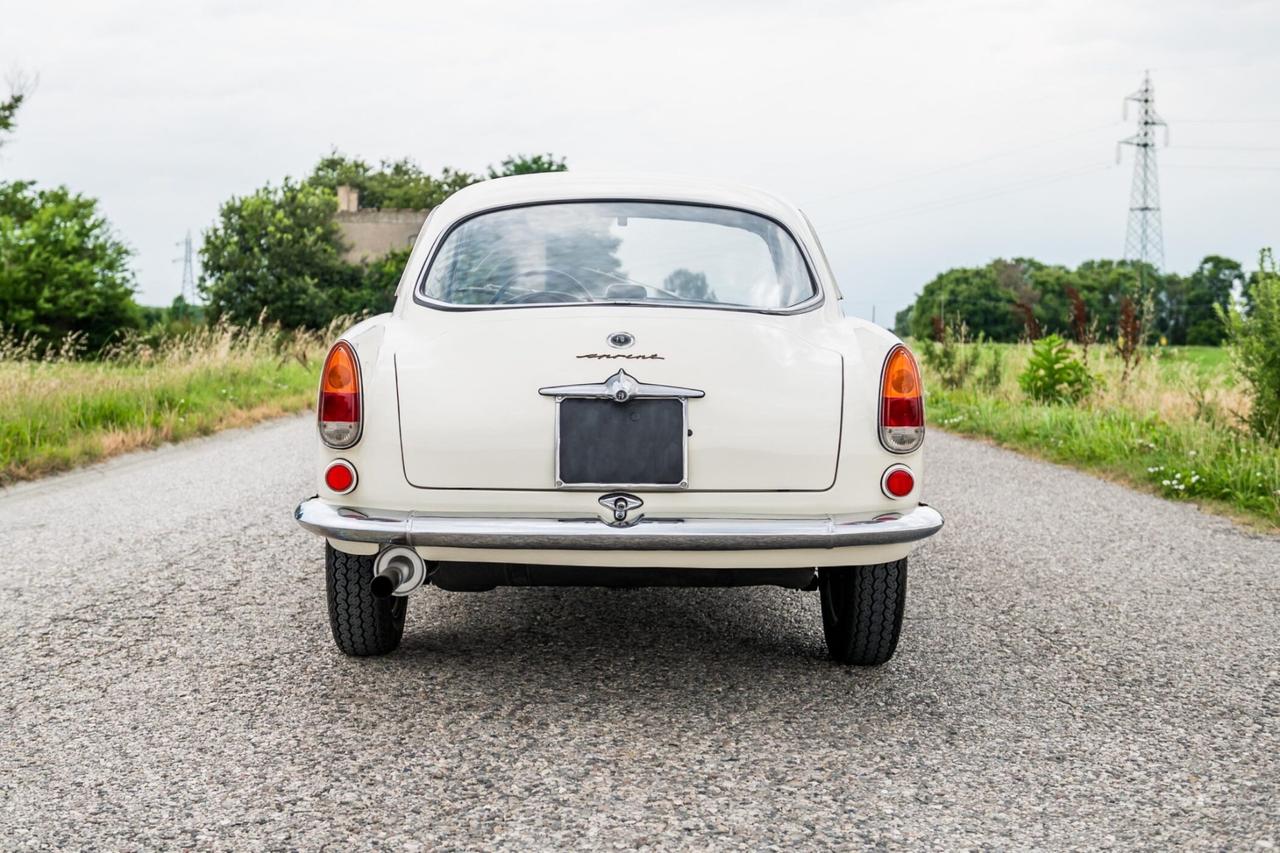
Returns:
<point x="384" y="583"/>
<point x="397" y="571"/>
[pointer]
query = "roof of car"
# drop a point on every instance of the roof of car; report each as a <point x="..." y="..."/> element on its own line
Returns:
<point x="583" y="186"/>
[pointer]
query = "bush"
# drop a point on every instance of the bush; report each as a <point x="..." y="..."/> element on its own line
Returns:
<point x="1053" y="375"/>
<point x="949" y="356"/>
<point x="375" y="291"/>
<point x="1254" y="339"/>
<point x="993" y="374"/>
<point x="276" y="256"/>
<point x="64" y="276"/>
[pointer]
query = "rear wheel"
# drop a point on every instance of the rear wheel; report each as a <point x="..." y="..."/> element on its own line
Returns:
<point x="862" y="611"/>
<point x="362" y="624"/>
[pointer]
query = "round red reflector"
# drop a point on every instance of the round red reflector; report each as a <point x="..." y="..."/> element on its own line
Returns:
<point x="339" y="477"/>
<point x="899" y="483"/>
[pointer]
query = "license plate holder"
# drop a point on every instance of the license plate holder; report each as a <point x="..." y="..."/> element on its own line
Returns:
<point x="642" y="443"/>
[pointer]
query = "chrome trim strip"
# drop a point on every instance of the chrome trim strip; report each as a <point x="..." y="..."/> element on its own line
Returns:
<point x="620" y="387"/>
<point x="392" y="527"/>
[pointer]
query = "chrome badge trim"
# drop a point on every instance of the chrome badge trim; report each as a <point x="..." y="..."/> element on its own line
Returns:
<point x="621" y="504"/>
<point x="621" y="340"/>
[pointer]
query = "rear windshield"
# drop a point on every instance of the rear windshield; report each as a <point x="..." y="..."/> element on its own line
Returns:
<point x="620" y="252"/>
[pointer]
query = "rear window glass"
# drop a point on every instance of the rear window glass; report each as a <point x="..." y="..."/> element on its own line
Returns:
<point x="619" y="252"/>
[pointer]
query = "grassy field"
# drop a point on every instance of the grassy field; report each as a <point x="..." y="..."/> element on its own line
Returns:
<point x="57" y="412"/>
<point x="1173" y="427"/>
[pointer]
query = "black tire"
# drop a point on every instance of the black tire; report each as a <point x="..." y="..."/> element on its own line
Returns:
<point x="862" y="611"/>
<point x="362" y="625"/>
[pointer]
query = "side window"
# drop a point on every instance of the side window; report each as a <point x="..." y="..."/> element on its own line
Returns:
<point x="831" y="274"/>
<point x="413" y="242"/>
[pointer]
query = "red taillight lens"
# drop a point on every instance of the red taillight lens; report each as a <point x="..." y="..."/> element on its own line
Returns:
<point x="339" y="408"/>
<point x="898" y="482"/>
<point x="901" y="402"/>
<point x="340" y="476"/>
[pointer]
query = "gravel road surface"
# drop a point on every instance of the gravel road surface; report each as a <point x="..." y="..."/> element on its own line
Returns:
<point x="1081" y="665"/>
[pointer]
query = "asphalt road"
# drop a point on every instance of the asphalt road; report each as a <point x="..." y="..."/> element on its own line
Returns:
<point x="1081" y="666"/>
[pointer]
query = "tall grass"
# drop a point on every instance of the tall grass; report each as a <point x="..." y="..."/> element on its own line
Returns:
<point x="58" y="410"/>
<point x="1175" y="426"/>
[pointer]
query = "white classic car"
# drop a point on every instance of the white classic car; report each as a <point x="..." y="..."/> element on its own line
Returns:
<point x="619" y="382"/>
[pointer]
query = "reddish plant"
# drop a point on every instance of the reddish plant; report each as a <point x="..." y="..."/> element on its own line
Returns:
<point x="1130" y="338"/>
<point x="939" y="328"/>
<point x="1080" y="326"/>
<point x="1026" y="311"/>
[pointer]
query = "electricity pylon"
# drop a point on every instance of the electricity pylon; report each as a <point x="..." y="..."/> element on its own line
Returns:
<point x="188" y="272"/>
<point x="1144" y="240"/>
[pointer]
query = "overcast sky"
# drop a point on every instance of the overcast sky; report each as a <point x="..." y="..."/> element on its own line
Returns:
<point x="917" y="135"/>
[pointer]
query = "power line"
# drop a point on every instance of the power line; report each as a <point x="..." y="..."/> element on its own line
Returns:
<point x="1227" y="120"/>
<point x="1222" y="168"/>
<point x="986" y="158"/>
<point x="1228" y="147"/>
<point x="969" y="198"/>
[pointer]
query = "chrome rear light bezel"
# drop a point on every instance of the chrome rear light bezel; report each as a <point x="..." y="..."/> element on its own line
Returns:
<point x="884" y="481"/>
<point x="359" y="421"/>
<point x="341" y="463"/>
<point x="895" y="439"/>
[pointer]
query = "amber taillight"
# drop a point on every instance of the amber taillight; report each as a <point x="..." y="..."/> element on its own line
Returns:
<point x="339" y="408"/>
<point x="901" y="402"/>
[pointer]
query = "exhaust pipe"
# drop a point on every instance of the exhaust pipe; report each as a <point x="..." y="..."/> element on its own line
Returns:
<point x="397" y="571"/>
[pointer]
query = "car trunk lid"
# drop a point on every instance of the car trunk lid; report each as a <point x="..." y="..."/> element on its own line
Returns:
<point x="472" y="415"/>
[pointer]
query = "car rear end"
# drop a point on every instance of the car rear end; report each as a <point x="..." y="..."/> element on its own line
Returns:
<point x="594" y="428"/>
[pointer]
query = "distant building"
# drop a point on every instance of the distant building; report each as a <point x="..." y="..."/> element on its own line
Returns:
<point x="369" y="234"/>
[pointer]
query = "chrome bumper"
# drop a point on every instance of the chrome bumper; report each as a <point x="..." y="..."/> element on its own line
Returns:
<point x="591" y="534"/>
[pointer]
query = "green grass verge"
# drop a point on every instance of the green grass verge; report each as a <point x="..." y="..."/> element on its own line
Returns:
<point x="86" y="412"/>
<point x="56" y="415"/>
<point x="1182" y="459"/>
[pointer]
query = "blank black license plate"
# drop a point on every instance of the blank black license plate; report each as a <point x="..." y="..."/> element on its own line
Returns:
<point x="637" y="443"/>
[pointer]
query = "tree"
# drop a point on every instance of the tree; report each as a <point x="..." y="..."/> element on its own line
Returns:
<point x="1104" y="285"/>
<point x="394" y="184"/>
<point x="403" y="183"/>
<point x="522" y="164"/>
<point x="1208" y="291"/>
<point x="971" y="294"/>
<point x="62" y="270"/>
<point x="8" y="113"/>
<point x="376" y="291"/>
<point x="1006" y="300"/>
<point x="276" y="254"/>
<point x="19" y="87"/>
<point x="902" y="322"/>
<point x="1255" y="347"/>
